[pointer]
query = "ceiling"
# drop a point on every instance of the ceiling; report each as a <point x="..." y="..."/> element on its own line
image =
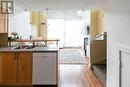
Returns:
<point x="41" y="5"/>
<point x="65" y="14"/>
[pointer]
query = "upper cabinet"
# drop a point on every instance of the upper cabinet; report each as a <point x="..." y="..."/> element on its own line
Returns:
<point x="96" y="25"/>
<point x="3" y="23"/>
<point x="38" y="21"/>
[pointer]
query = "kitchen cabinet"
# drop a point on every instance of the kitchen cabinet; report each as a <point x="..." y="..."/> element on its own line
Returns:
<point x="25" y="67"/>
<point x="96" y="25"/>
<point x="3" y="29"/>
<point x="3" y="39"/>
<point x="3" y="23"/>
<point x="9" y="67"/>
<point x="45" y="68"/>
<point x="16" y="67"/>
<point x="38" y="21"/>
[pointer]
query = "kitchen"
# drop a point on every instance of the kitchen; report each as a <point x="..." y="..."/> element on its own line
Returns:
<point x="115" y="19"/>
<point x="26" y="62"/>
<point x="28" y="49"/>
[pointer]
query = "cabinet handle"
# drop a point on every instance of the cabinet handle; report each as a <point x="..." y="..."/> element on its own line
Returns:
<point x="15" y="56"/>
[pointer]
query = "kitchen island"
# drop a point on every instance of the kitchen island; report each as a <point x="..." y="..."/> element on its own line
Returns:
<point x="28" y="67"/>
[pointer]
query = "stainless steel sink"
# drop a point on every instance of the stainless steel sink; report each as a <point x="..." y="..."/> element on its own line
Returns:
<point x="18" y="47"/>
<point x="29" y="47"/>
<point x="24" y="47"/>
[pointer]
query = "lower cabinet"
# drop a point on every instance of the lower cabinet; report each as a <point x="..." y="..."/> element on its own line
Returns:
<point x="28" y="68"/>
<point x="25" y="67"/>
<point x="16" y="67"/>
<point x="9" y="68"/>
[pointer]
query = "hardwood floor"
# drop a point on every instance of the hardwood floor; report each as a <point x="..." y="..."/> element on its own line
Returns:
<point x="78" y="76"/>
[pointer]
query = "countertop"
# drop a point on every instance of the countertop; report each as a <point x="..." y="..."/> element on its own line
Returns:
<point x="34" y="40"/>
<point x="36" y="49"/>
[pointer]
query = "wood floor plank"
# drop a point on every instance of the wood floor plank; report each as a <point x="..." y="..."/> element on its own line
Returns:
<point x="78" y="76"/>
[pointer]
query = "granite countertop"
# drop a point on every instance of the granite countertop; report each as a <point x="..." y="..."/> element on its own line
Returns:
<point x="36" y="49"/>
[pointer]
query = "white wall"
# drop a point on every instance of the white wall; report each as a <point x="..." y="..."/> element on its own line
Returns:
<point x="20" y="22"/>
<point x="117" y="25"/>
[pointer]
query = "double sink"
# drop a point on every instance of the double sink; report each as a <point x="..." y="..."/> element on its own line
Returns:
<point x="24" y="47"/>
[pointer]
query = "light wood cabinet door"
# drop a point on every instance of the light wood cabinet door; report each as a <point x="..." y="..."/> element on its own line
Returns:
<point x="9" y="67"/>
<point x="3" y="39"/>
<point x="24" y="67"/>
<point x="3" y="23"/>
<point x="96" y="25"/>
<point x="16" y="67"/>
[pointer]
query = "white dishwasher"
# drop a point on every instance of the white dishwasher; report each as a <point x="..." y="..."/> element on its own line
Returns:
<point x="44" y="68"/>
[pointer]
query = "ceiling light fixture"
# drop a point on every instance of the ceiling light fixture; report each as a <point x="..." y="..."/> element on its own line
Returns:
<point x="80" y="12"/>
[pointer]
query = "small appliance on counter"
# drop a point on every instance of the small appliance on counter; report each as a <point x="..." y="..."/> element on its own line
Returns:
<point x="15" y="35"/>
